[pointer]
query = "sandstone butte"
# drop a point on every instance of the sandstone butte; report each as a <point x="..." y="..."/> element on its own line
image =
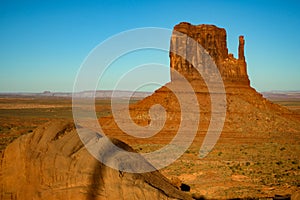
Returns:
<point x="247" y="112"/>
<point x="52" y="163"/>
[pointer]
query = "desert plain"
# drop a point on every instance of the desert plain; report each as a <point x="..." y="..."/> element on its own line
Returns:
<point x="238" y="167"/>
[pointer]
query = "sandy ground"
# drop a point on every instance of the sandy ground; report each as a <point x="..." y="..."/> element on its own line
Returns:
<point x="238" y="166"/>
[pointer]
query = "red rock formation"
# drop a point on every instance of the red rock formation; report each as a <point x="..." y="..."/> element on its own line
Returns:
<point x="213" y="40"/>
<point x="52" y="163"/>
<point x="247" y="112"/>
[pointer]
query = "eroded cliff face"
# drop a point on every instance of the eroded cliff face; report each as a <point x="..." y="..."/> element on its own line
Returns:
<point x="247" y="112"/>
<point x="52" y="163"/>
<point x="214" y="41"/>
<point x="251" y="120"/>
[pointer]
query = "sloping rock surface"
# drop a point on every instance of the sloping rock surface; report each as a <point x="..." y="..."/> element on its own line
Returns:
<point x="52" y="163"/>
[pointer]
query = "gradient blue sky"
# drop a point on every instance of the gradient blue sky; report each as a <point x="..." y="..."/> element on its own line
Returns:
<point x="43" y="43"/>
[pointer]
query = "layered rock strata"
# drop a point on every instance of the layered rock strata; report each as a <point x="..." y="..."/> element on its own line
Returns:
<point x="247" y="112"/>
<point x="213" y="40"/>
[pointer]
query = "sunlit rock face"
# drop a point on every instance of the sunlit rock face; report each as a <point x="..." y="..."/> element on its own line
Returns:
<point x="247" y="112"/>
<point x="213" y="40"/>
<point x="52" y="163"/>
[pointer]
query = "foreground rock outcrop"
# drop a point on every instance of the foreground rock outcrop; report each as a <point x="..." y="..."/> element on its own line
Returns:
<point x="52" y="163"/>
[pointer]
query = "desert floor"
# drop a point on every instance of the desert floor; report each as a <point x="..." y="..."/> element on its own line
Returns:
<point x="238" y="167"/>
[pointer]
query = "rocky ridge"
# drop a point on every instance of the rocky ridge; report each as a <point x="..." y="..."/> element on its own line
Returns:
<point x="52" y="163"/>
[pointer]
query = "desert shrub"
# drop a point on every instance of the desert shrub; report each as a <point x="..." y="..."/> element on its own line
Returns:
<point x="279" y="162"/>
<point x="294" y="162"/>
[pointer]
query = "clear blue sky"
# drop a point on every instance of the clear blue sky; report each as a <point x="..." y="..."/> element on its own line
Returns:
<point x="43" y="43"/>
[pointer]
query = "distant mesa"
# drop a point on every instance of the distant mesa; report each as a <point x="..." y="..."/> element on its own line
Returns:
<point x="282" y="95"/>
<point x="83" y="94"/>
<point x="47" y="92"/>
